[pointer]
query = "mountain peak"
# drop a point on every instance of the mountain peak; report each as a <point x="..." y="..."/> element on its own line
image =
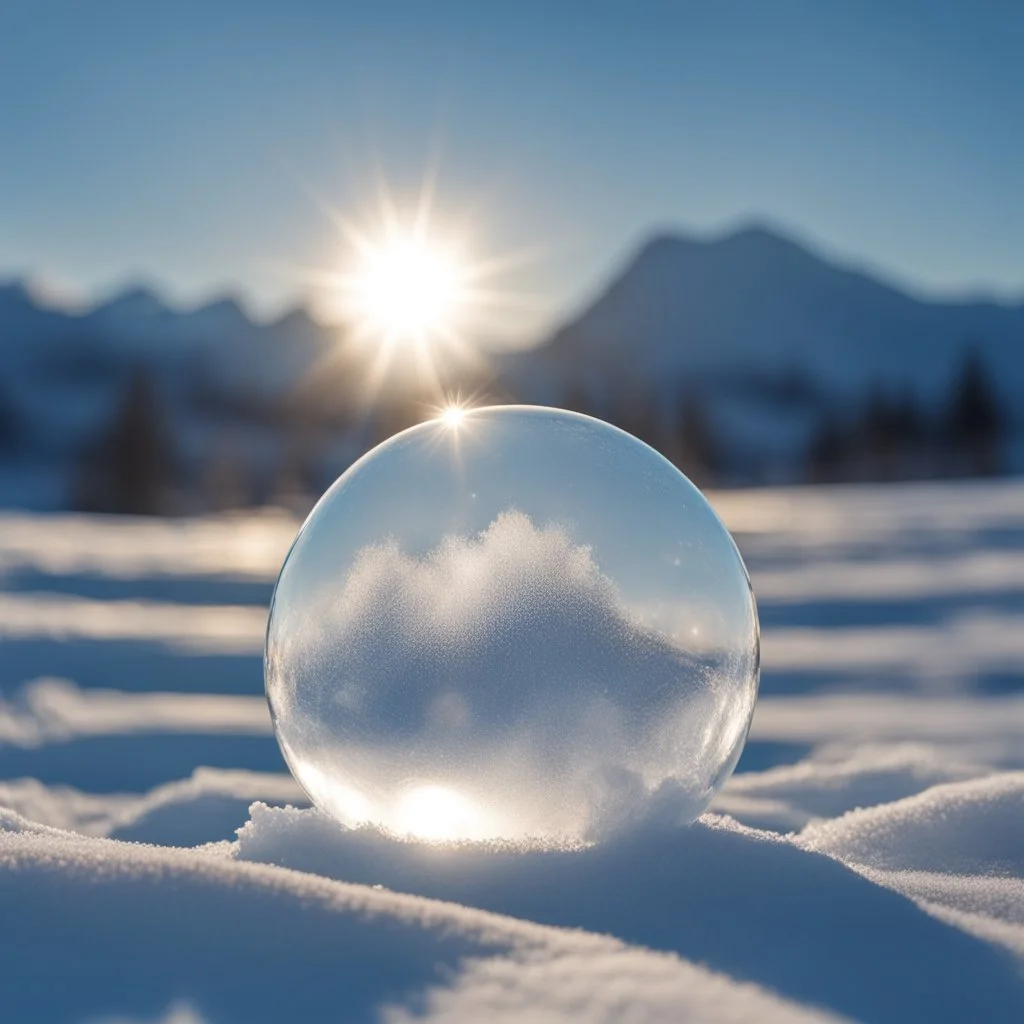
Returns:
<point x="137" y="301"/>
<point x="755" y="300"/>
<point x="752" y="237"/>
<point x="223" y="314"/>
<point x="761" y="234"/>
<point x="16" y="291"/>
<point x="229" y="305"/>
<point x="296" y="318"/>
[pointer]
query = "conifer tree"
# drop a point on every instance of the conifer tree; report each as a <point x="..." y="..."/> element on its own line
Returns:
<point x="974" y="420"/>
<point x="130" y="468"/>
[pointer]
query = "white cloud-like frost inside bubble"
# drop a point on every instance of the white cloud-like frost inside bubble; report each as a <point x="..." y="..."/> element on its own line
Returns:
<point x="511" y="659"/>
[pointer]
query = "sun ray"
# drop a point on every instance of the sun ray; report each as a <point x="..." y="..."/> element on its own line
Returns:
<point x="416" y="306"/>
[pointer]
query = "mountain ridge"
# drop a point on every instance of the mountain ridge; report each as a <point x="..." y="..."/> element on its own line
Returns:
<point x="754" y="299"/>
<point x="760" y="229"/>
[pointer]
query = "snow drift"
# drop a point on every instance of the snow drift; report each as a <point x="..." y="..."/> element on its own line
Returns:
<point x="113" y="930"/>
<point x="747" y="903"/>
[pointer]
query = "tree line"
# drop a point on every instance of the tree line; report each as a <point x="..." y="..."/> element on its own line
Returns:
<point x="137" y="463"/>
<point x="890" y="437"/>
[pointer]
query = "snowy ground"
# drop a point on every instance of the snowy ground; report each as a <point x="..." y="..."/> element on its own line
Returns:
<point x="865" y="863"/>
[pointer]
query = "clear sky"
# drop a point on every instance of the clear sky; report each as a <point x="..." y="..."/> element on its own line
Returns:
<point x="186" y="143"/>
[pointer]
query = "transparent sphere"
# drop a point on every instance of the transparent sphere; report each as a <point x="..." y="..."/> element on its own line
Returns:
<point x="512" y="622"/>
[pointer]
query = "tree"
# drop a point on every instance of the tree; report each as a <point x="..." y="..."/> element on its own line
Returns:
<point x="224" y="479"/>
<point x="10" y="423"/>
<point x="130" y="468"/>
<point x="297" y="483"/>
<point x="888" y="429"/>
<point x="829" y="451"/>
<point x="974" y="420"/>
<point x="695" y="452"/>
<point x="635" y="410"/>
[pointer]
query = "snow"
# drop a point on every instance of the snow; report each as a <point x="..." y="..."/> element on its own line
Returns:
<point x="956" y="849"/>
<point x="751" y="904"/>
<point x="203" y="808"/>
<point x="122" y="929"/>
<point x="865" y="863"/>
<point x="831" y="782"/>
<point x="971" y="827"/>
<point x="232" y="547"/>
<point x="220" y="628"/>
<point x="53" y="710"/>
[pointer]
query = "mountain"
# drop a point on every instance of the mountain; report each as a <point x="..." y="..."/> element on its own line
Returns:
<point x="24" y="321"/>
<point x="757" y="303"/>
<point x="746" y="357"/>
<point x="137" y="303"/>
<point x="219" y="382"/>
<point x="752" y="347"/>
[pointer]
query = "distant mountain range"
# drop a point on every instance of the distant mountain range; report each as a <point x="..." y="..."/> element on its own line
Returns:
<point x="138" y="325"/>
<point x="769" y="335"/>
<point x="755" y="302"/>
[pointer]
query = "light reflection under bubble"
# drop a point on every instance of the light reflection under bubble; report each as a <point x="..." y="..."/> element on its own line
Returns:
<point x="439" y="813"/>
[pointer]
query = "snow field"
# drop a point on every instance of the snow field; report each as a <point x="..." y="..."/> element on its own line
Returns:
<point x="865" y="863"/>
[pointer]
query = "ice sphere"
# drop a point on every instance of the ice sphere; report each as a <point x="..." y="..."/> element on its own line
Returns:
<point x="512" y="622"/>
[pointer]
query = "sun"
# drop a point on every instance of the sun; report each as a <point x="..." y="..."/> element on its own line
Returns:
<point x="452" y="416"/>
<point x="418" y="308"/>
<point x="407" y="289"/>
<point x="410" y="297"/>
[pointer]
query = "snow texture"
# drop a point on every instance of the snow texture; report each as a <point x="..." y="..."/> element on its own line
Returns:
<point x="751" y="904"/>
<point x="120" y="930"/>
<point x="865" y="863"/>
<point x="961" y="827"/>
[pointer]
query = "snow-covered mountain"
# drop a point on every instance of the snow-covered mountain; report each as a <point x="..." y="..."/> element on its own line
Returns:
<point x="137" y="325"/>
<point x="772" y="341"/>
<point x="754" y="303"/>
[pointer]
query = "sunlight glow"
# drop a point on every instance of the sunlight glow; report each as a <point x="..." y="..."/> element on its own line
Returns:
<point x="417" y="306"/>
<point x="407" y="288"/>
<point x="452" y="416"/>
<point x="345" y="803"/>
<point x="438" y="813"/>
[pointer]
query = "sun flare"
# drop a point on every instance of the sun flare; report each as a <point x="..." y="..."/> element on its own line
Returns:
<point x="418" y="307"/>
<point x="452" y="416"/>
<point x="407" y="288"/>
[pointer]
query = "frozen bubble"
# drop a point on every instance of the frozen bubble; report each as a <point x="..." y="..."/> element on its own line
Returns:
<point x="517" y="622"/>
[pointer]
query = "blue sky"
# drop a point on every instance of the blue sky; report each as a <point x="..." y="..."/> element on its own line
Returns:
<point x="184" y="142"/>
